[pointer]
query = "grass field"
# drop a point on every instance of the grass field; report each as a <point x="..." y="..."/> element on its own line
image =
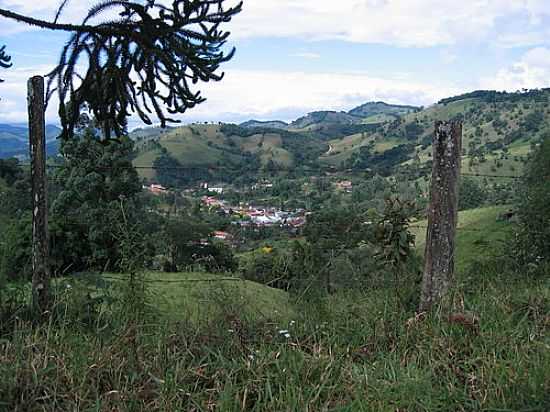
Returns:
<point x="195" y="296"/>
<point x="479" y="235"/>
<point x="352" y="351"/>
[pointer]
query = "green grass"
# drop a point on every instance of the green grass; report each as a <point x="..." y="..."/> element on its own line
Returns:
<point x="193" y="296"/>
<point x="479" y="235"/>
<point x="378" y="118"/>
<point x="343" y="148"/>
<point x="146" y="159"/>
<point x="199" y="145"/>
<point x="352" y="351"/>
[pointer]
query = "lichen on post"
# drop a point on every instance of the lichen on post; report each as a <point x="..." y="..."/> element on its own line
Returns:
<point x="442" y="214"/>
<point x="40" y="246"/>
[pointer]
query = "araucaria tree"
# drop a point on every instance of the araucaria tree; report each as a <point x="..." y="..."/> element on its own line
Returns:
<point x="144" y="61"/>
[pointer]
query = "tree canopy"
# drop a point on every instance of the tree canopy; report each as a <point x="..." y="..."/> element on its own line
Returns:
<point x="144" y="61"/>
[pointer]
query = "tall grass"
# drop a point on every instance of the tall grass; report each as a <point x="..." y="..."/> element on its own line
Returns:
<point x="352" y="351"/>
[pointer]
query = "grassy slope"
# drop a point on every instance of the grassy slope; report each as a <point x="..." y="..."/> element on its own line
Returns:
<point x="485" y="240"/>
<point x="356" y="351"/>
<point x="198" y="295"/>
<point x="205" y="145"/>
<point x="520" y="149"/>
<point x="512" y="115"/>
<point x="190" y="144"/>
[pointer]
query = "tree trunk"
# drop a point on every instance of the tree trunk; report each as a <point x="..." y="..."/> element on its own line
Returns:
<point x="442" y="214"/>
<point x="40" y="246"/>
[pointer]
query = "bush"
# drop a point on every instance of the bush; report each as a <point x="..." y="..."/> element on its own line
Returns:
<point x="15" y="250"/>
<point x="533" y="235"/>
<point x="268" y="266"/>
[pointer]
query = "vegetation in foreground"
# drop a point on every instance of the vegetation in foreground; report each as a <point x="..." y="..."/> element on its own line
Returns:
<point x="354" y="350"/>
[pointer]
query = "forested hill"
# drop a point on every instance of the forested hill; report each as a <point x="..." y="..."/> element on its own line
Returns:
<point x="14" y="140"/>
<point x="499" y="131"/>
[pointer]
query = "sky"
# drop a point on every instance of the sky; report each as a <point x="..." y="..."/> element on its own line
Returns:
<point x="298" y="56"/>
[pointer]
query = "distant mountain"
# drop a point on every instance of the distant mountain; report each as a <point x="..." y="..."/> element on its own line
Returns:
<point x="274" y="124"/>
<point x="499" y="131"/>
<point x="316" y="120"/>
<point x="377" y="108"/>
<point x="14" y="140"/>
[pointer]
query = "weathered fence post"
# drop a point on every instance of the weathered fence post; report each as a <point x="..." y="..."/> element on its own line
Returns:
<point x="442" y="214"/>
<point x="40" y="246"/>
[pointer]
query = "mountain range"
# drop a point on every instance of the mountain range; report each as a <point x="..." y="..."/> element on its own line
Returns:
<point x="500" y="130"/>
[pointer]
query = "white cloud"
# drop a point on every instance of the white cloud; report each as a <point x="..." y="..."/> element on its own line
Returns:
<point x="421" y="23"/>
<point x="531" y="71"/>
<point x="261" y="94"/>
<point x="74" y="12"/>
<point x="270" y="94"/>
<point x="13" y="94"/>
<point x="418" y="23"/>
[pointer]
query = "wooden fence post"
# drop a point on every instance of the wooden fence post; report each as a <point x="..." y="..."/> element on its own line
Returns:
<point x="40" y="246"/>
<point x="442" y="214"/>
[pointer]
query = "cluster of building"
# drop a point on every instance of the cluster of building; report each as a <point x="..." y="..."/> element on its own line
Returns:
<point x="156" y="189"/>
<point x="247" y="215"/>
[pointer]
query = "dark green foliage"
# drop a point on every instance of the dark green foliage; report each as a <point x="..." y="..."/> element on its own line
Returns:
<point x="97" y="182"/>
<point x="490" y="96"/>
<point x="413" y="131"/>
<point x="15" y="221"/>
<point x="533" y="122"/>
<point x="336" y="131"/>
<point x="533" y="236"/>
<point x="171" y="173"/>
<point x="382" y="163"/>
<point x="471" y="194"/>
<point x="337" y="229"/>
<point x="183" y="237"/>
<point x="10" y="171"/>
<point x="395" y="241"/>
<point x="270" y="267"/>
<point x="395" y="246"/>
<point x="333" y="235"/>
<point x="15" y="249"/>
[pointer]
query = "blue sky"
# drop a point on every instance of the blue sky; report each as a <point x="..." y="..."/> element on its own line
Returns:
<point x="296" y="56"/>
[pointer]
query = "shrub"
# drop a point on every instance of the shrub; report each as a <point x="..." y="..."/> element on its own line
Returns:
<point x="533" y="235"/>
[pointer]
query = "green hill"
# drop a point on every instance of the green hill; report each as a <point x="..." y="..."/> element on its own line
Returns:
<point x="317" y="120"/>
<point x="275" y="124"/>
<point x="499" y="131"/>
<point x="380" y="108"/>
<point x="230" y="146"/>
<point x="497" y="135"/>
<point x="480" y="234"/>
